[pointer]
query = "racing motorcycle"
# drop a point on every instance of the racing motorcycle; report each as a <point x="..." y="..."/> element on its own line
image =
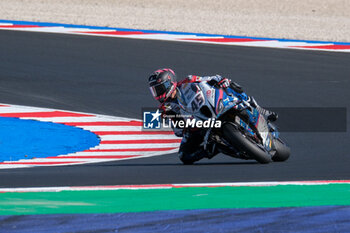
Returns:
<point x="245" y="133"/>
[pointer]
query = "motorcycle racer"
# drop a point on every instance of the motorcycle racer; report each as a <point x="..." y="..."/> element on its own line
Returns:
<point x="165" y="88"/>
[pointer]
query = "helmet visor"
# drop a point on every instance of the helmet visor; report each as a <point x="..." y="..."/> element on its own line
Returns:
<point x="160" y="89"/>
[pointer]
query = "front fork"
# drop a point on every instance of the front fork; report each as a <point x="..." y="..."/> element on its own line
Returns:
<point x="214" y="143"/>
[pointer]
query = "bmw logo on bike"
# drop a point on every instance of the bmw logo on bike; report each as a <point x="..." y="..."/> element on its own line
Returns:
<point x="151" y="119"/>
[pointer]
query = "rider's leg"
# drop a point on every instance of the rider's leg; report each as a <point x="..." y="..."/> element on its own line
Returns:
<point x="190" y="149"/>
<point x="270" y="115"/>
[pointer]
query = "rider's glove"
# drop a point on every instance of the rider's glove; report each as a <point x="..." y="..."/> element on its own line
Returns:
<point x="224" y="83"/>
<point x="220" y="81"/>
<point x="164" y="109"/>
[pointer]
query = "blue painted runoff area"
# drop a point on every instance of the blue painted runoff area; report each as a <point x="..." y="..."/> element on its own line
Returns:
<point x="26" y="139"/>
<point x="45" y="24"/>
<point x="317" y="219"/>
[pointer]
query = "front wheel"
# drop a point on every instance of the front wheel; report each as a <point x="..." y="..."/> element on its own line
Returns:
<point x="236" y="139"/>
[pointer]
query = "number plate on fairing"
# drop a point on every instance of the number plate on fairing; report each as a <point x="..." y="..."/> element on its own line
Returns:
<point x="192" y="97"/>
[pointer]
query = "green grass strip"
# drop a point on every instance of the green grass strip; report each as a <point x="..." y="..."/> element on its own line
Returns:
<point x="115" y="201"/>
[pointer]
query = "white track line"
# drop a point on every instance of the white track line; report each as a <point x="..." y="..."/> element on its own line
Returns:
<point x="183" y="37"/>
<point x="170" y="186"/>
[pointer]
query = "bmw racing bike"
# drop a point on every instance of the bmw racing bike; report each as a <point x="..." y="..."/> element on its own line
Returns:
<point x="245" y="132"/>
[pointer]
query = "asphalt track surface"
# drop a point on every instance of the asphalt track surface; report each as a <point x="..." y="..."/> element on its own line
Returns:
<point x="108" y="76"/>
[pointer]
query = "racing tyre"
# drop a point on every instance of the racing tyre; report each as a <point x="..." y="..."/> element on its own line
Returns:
<point x="187" y="161"/>
<point x="282" y="151"/>
<point x="236" y="139"/>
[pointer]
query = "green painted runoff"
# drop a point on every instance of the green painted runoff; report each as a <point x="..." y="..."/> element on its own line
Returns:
<point x="115" y="201"/>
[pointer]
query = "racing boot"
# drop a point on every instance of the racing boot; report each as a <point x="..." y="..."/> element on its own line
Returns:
<point x="270" y="115"/>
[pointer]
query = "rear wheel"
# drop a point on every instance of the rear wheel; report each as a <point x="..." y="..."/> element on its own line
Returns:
<point x="239" y="141"/>
<point x="282" y="151"/>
